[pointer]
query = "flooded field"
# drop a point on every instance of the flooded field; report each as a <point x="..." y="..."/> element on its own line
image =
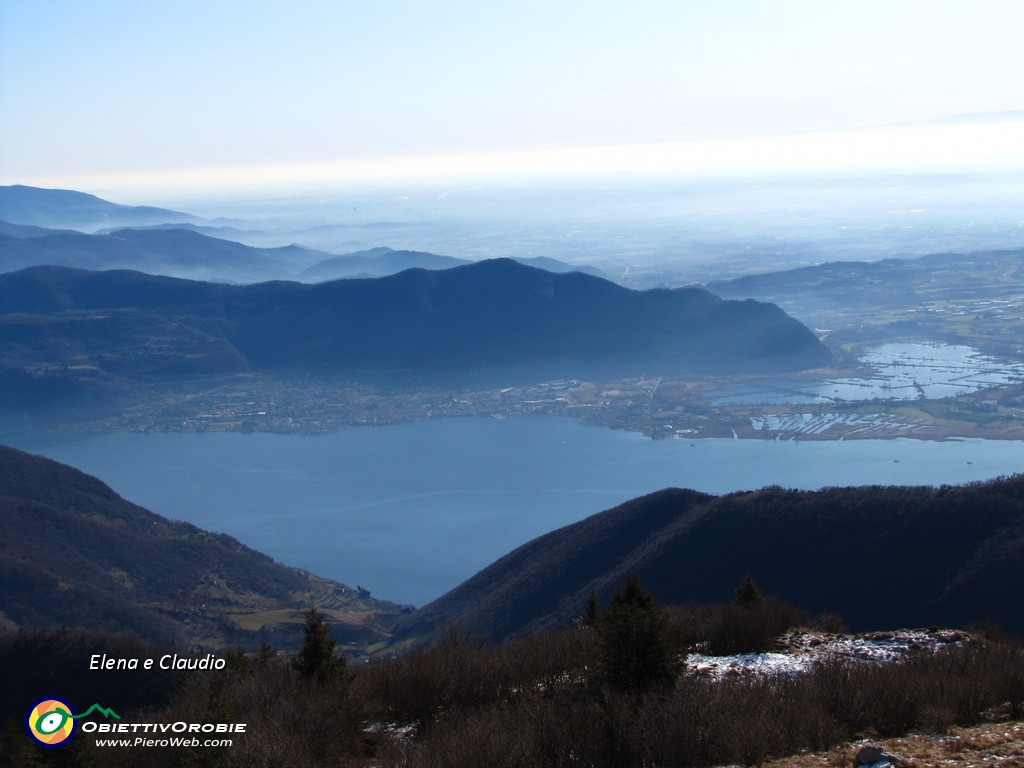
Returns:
<point x="794" y="425"/>
<point x="895" y="371"/>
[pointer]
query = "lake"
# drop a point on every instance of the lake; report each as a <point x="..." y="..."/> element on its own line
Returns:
<point x="409" y="511"/>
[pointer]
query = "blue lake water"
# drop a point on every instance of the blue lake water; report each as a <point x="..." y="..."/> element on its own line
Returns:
<point x="411" y="510"/>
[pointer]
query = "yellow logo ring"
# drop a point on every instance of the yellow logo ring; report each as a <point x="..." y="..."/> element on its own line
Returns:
<point x="50" y="722"/>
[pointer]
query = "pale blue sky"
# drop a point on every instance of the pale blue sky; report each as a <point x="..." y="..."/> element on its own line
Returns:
<point x="94" y="90"/>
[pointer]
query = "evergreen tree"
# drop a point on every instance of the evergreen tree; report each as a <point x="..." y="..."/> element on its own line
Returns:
<point x="639" y="651"/>
<point x="316" y="658"/>
<point x="237" y="660"/>
<point x="265" y="656"/>
<point x="748" y="593"/>
<point x="592" y="615"/>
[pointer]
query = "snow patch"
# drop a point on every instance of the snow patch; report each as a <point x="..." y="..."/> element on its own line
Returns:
<point x="800" y="650"/>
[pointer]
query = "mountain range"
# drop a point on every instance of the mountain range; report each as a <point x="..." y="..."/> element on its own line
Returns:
<point x="48" y="227"/>
<point x="63" y="329"/>
<point x="181" y="251"/>
<point x="879" y="557"/>
<point x="176" y="252"/>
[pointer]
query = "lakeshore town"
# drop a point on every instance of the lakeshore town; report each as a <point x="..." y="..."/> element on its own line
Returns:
<point x="707" y="407"/>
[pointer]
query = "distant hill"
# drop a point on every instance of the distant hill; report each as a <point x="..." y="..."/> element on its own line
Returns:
<point x="25" y="231"/>
<point x="73" y="553"/>
<point x="207" y="253"/>
<point x="160" y="251"/>
<point x="923" y="298"/>
<point x="67" y="209"/>
<point x="62" y="327"/>
<point x="214" y="228"/>
<point x="880" y="557"/>
<point x="380" y="262"/>
<point x="881" y="282"/>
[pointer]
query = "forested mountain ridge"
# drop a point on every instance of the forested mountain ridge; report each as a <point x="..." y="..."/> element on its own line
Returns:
<point x="495" y="318"/>
<point x="877" y="556"/>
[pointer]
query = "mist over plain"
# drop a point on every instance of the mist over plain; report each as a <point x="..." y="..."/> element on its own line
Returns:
<point x="641" y="232"/>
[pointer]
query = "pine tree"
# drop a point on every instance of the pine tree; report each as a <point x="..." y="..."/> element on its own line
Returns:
<point x="592" y="614"/>
<point x="265" y="656"/>
<point x="316" y="658"/>
<point x="639" y="651"/>
<point x="748" y="593"/>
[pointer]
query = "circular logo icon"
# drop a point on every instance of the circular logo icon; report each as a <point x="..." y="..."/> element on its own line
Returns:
<point x="50" y="722"/>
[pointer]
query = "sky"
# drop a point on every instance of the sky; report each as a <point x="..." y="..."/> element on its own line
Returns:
<point x="123" y="94"/>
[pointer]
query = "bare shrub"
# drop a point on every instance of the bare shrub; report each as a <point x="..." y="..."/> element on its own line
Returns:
<point x="460" y="673"/>
<point x="538" y="701"/>
<point x="725" y="629"/>
<point x="933" y="690"/>
<point x="523" y="734"/>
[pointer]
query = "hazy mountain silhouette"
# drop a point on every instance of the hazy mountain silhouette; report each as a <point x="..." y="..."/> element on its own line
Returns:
<point x="382" y="261"/>
<point x="172" y="252"/>
<point x="205" y="253"/>
<point x="378" y="262"/>
<point x="835" y="278"/>
<point x="25" y="231"/>
<point x="74" y="553"/>
<point x="67" y="209"/>
<point x="881" y="557"/>
<point x="882" y="284"/>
